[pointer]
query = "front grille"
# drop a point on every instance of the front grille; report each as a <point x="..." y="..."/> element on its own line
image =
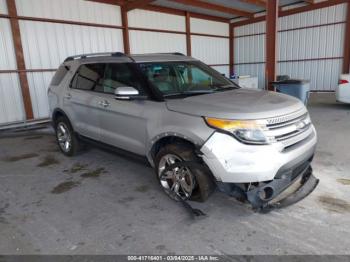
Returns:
<point x="290" y="129"/>
<point x="286" y="118"/>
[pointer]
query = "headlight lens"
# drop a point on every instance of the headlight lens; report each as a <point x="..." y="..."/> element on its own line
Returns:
<point x="246" y="131"/>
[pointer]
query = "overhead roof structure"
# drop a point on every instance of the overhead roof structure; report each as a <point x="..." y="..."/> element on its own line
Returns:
<point x="235" y="12"/>
<point x="225" y="9"/>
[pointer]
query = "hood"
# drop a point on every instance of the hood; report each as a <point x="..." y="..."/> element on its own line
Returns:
<point x="237" y="104"/>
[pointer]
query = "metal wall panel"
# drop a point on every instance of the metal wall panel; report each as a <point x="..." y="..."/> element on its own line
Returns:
<point x="308" y="43"/>
<point x="249" y="49"/>
<point x="73" y="10"/>
<point x="332" y="14"/>
<point x="202" y="26"/>
<point x="250" y="29"/>
<point x="38" y="84"/>
<point x="222" y="70"/>
<point x="323" y="74"/>
<point x="7" y="52"/>
<point x="3" y="7"/>
<point x="46" y="45"/>
<point x="318" y="42"/>
<point x="256" y="70"/>
<point x="154" y="42"/>
<point x="211" y="50"/>
<point x="11" y="103"/>
<point x="156" y="20"/>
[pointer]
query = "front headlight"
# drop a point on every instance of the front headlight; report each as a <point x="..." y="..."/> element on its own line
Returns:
<point x="246" y="131"/>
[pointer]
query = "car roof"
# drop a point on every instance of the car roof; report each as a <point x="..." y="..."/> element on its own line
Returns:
<point x="123" y="58"/>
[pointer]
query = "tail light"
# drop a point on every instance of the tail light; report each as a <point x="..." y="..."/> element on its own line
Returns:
<point x="343" y="81"/>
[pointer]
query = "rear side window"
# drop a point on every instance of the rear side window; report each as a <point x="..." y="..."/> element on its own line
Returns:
<point x="89" y="77"/>
<point x="59" y="75"/>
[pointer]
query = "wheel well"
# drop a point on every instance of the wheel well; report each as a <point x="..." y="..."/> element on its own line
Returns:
<point x="169" y="140"/>
<point x="57" y="114"/>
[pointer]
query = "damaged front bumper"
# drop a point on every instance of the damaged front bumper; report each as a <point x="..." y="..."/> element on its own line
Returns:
<point x="231" y="161"/>
<point x="282" y="192"/>
<point x="266" y="176"/>
<point x="278" y="193"/>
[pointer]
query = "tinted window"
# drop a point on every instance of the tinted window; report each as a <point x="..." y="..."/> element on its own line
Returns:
<point x="59" y="75"/>
<point x="120" y="75"/>
<point x="89" y="77"/>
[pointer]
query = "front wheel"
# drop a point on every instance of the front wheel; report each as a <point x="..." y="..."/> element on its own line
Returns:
<point x="187" y="183"/>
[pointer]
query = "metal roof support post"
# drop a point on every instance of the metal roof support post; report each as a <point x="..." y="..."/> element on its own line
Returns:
<point x="125" y="24"/>
<point x="16" y="35"/>
<point x="232" y="49"/>
<point x="271" y="43"/>
<point x="346" y="56"/>
<point x="188" y="34"/>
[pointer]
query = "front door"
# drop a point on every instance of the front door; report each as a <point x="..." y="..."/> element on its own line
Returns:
<point x="123" y="122"/>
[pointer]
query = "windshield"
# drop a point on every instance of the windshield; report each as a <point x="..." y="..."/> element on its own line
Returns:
<point x="184" y="78"/>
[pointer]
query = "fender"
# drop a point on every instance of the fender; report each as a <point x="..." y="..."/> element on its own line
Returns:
<point x="191" y="138"/>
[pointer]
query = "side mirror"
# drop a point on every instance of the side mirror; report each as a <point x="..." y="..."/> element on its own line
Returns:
<point x="126" y="93"/>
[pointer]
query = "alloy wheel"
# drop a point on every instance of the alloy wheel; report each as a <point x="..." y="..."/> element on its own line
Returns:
<point x="178" y="180"/>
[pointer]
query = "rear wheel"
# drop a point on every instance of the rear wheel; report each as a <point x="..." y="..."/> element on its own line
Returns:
<point x="67" y="140"/>
<point x="193" y="183"/>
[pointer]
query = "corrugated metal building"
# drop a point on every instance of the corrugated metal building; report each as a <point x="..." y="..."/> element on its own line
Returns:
<point x="310" y="46"/>
<point x="37" y="35"/>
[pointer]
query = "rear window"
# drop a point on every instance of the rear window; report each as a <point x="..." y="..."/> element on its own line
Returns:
<point x="59" y="75"/>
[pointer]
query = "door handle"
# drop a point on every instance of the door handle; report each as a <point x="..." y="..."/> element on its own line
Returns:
<point x="68" y="96"/>
<point x="104" y="103"/>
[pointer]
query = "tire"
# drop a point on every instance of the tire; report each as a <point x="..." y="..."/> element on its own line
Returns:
<point x="65" y="133"/>
<point x="203" y="183"/>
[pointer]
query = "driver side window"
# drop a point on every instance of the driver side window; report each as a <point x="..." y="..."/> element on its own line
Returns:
<point x="120" y="75"/>
<point x="162" y="76"/>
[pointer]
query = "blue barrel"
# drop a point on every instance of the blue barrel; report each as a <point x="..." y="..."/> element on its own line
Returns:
<point x="294" y="87"/>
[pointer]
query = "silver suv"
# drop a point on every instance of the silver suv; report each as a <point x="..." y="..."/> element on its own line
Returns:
<point x="198" y="129"/>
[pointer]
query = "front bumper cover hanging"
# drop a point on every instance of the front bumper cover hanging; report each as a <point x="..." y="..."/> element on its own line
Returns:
<point x="265" y="198"/>
<point x="276" y="194"/>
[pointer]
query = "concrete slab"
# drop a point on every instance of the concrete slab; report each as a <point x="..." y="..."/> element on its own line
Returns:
<point x="103" y="203"/>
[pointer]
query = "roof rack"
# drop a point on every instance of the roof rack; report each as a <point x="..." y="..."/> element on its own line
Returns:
<point x="83" y="56"/>
<point x="171" y="53"/>
<point x="178" y="53"/>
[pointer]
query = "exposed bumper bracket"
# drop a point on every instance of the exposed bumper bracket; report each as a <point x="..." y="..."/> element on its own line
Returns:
<point x="305" y="183"/>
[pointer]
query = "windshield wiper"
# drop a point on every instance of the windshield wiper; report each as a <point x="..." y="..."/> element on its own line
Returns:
<point x="204" y="91"/>
<point x="191" y="92"/>
<point x="226" y="87"/>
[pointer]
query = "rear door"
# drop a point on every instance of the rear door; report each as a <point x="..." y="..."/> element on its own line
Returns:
<point x="81" y="100"/>
<point x="123" y="122"/>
